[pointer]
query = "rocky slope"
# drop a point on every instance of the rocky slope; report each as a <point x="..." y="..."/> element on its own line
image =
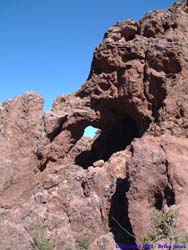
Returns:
<point x="55" y="181"/>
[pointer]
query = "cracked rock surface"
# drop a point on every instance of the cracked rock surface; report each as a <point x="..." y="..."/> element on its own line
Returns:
<point x="55" y="180"/>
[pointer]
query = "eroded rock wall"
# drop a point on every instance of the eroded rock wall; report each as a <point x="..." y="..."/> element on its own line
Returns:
<point x="53" y="179"/>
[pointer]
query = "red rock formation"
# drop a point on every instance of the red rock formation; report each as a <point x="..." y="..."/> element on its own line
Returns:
<point x="56" y="180"/>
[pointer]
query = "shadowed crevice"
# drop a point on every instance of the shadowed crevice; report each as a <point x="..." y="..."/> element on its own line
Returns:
<point x="118" y="217"/>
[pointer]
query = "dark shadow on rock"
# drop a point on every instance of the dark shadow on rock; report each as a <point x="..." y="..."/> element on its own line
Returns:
<point x="118" y="217"/>
<point x="112" y="140"/>
<point x="86" y="158"/>
<point x="158" y="200"/>
<point x="169" y="195"/>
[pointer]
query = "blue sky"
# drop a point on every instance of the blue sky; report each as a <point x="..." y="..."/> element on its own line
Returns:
<point x="47" y="45"/>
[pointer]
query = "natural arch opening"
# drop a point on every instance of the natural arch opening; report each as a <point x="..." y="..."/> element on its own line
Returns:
<point x="90" y="132"/>
<point x="109" y="141"/>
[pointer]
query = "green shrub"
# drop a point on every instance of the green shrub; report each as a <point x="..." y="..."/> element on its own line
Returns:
<point x="164" y="226"/>
<point x="165" y="229"/>
<point x="165" y="221"/>
<point x="40" y="242"/>
<point x="181" y="239"/>
<point x="82" y="243"/>
<point x="149" y="238"/>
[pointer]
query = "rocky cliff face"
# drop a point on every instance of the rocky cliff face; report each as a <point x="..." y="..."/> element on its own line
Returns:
<point x="56" y="181"/>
